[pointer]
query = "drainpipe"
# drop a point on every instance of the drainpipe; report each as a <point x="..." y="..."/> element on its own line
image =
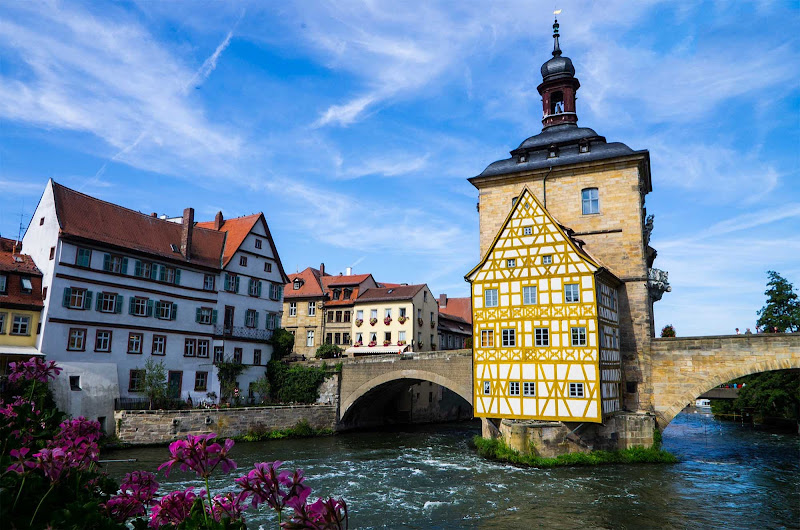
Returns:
<point x="544" y="187"/>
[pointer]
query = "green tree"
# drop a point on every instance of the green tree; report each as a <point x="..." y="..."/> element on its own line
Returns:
<point x="773" y="394"/>
<point x="155" y="381"/>
<point x="282" y="343"/>
<point x="782" y="310"/>
<point x="296" y="384"/>
<point x="227" y="372"/>
<point x="668" y="331"/>
<point x="328" y="351"/>
<point x="262" y="389"/>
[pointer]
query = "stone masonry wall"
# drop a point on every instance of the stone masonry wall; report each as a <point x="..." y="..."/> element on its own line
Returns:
<point x="161" y="426"/>
<point x="302" y="324"/>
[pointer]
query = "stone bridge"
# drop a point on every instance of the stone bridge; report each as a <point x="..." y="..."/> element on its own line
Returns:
<point x="681" y="369"/>
<point x="360" y="376"/>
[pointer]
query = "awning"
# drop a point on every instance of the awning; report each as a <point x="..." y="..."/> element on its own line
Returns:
<point x="26" y="351"/>
<point x="377" y="350"/>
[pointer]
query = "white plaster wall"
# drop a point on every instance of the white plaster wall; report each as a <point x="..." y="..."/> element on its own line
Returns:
<point x="99" y="388"/>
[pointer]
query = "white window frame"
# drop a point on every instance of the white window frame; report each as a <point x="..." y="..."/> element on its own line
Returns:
<point x="387" y="313"/>
<point x="292" y="309"/>
<point x="79" y="337"/>
<point x="209" y="282"/>
<point x="578" y="336"/>
<point x="206" y="315"/>
<point x="547" y="259"/>
<point x="102" y="340"/>
<point x="508" y="338"/>
<point x="135" y="340"/>
<point x="511" y="263"/>
<point x="140" y="303"/>
<point x="590" y="201"/>
<point x="77" y="297"/>
<point x="487" y="388"/>
<point x="541" y="337"/>
<point x="572" y="293"/>
<point x="373" y="313"/>
<point x="310" y="338"/>
<point x="490" y="298"/>
<point x="3" y="323"/>
<point x="401" y="336"/>
<point x="108" y="302"/>
<point x="250" y="318"/>
<point x="20" y="325"/>
<point x="576" y="390"/>
<point x="513" y="388"/>
<point x="159" y="344"/>
<point x="527" y="299"/>
<point x="528" y="389"/>
<point x="527" y="231"/>
<point x="487" y="338"/>
<point x="203" y="348"/>
<point x="312" y="309"/>
<point x="3" y="283"/>
<point x="164" y="310"/>
<point x="360" y="314"/>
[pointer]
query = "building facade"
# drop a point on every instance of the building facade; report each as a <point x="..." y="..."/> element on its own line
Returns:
<point x="455" y="322"/>
<point x="20" y="304"/>
<point x="595" y="188"/>
<point x="125" y="287"/>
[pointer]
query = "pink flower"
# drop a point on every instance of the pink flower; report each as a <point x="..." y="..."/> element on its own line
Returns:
<point x="196" y="454"/>
<point x="35" y="369"/>
<point x="122" y="507"/>
<point x="141" y="485"/>
<point x="51" y="462"/>
<point x="321" y="515"/>
<point x="266" y="485"/>
<point x="174" y="508"/>
<point x="230" y="505"/>
<point x="22" y="461"/>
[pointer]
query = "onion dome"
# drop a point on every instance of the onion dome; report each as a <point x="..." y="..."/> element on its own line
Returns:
<point x="558" y="65"/>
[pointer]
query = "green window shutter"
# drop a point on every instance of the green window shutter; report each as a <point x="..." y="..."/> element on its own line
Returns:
<point x="162" y="273"/>
<point x="118" y="306"/>
<point x="67" y="295"/>
<point x="137" y="269"/>
<point x="250" y="285"/>
<point x="258" y="288"/>
<point x="87" y="301"/>
<point x="154" y="271"/>
<point x="236" y="284"/>
<point x="197" y="314"/>
<point x="255" y="322"/>
<point x="174" y="311"/>
<point x="124" y="268"/>
<point x="98" y="305"/>
<point x="130" y="305"/>
<point x="106" y="262"/>
<point x="227" y="282"/>
<point x="149" y="308"/>
<point x="214" y="316"/>
<point x="177" y="276"/>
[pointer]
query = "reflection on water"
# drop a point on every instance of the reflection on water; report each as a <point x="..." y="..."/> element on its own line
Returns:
<point x="730" y="476"/>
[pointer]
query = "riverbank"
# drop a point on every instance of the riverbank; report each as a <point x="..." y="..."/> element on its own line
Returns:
<point x="497" y="450"/>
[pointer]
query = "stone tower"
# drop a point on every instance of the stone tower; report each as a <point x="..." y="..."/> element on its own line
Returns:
<point x="597" y="190"/>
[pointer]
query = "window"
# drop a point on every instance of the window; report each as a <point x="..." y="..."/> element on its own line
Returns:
<point x="109" y="303"/>
<point x="511" y="263"/>
<point x="297" y="284"/>
<point x="243" y="261"/>
<point x="432" y="317"/>
<point x="374" y="314"/>
<point x="490" y="298"/>
<point x="159" y="344"/>
<point x="275" y="291"/>
<point x="190" y="347"/>
<point x="346" y="338"/>
<point x="41" y="221"/>
<point x="590" y="201"/>
<point x="200" y="381"/>
<point x="387" y="336"/>
<point x="203" y="348"/>
<point x="114" y="263"/>
<point x="346" y="315"/>
<point x="487" y="387"/>
<point x="541" y="337"/>
<point x="578" y="336"/>
<point x="135" y="342"/>
<point x="547" y="259"/>
<point x="272" y="321"/>
<point x="75" y="383"/>
<point x="529" y="295"/>
<point x="44" y="293"/>
<point x="312" y="309"/>
<point x="424" y="296"/>
<point x="336" y="294"/>
<point x="576" y="390"/>
<point x="338" y="316"/>
<point x="75" y="298"/>
<point x="145" y="269"/>
<point x="487" y="338"/>
<point x="141" y="307"/>
<point x="209" y="281"/>
<point x="52" y="252"/>
<point x="3" y="323"/>
<point x="102" y="340"/>
<point x="83" y="258"/>
<point x="166" y="310"/>
<point x="3" y="283"/>
<point x="21" y="325"/>
<point x="136" y="381"/>
<point x="509" y="337"/>
<point x="251" y="318"/>
<point x="205" y="315"/>
<point x="402" y="312"/>
<point x="256" y="356"/>
<point x="310" y="338"/>
<point x="571" y="293"/>
<point x="387" y="313"/>
<point x="527" y="231"/>
<point x="77" y="340"/>
<point x="27" y="287"/>
<point x="231" y="283"/>
<point x="219" y="354"/>
<point x="347" y="293"/>
<point x="360" y="314"/>
<point x="419" y="314"/>
<point x="513" y="388"/>
<point x="359" y="337"/>
<point x="373" y="337"/>
<point x="529" y="388"/>
<point x="258" y="243"/>
<point x="268" y="267"/>
<point x="401" y="336"/>
<point x="237" y="355"/>
<point x="254" y="287"/>
<point x="329" y="338"/>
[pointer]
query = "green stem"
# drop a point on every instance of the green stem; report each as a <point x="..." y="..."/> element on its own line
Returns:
<point x="22" y="485"/>
<point x="33" y="387"/>
<point x="40" y="504"/>
<point x="210" y="507"/>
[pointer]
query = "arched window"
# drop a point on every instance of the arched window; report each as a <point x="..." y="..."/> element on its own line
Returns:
<point x="557" y="102"/>
<point x="590" y="201"/>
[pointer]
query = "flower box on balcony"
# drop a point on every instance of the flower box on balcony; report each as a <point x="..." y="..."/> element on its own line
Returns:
<point x="387" y="321"/>
<point x="387" y="342"/>
<point x="401" y="343"/>
<point x="357" y="344"/>
<point x="359" y="321"/>
<point x="373" y="321"/>
<point x="420" y="321"/>
<point x="433" y="324"/>
<point x="372" y="344"/>
<point x="402" y="320"/>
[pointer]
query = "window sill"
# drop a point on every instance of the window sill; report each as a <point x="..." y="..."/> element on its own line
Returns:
<point x="134" y="353"/>
<point x="68" y="349"/>
<point x="102" y="351"/>
<point x="158" y="354"/>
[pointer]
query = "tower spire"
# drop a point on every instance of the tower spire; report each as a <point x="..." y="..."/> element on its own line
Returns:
<point x="556" y="47"/>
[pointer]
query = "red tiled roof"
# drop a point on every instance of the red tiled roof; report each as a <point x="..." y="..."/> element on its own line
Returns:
<point x="454" y="324"/>
<point x="15" y="266"/>
<point x="311" y="286"/>
<point x="86" y="217"/>
<point x="390" y="285"/>
<point x="458" y="307"/>
<point x="353" y="279"/>
<point x="236" y="229"/>
<point x="404" y="292"/>
<point x="14" y="261"/>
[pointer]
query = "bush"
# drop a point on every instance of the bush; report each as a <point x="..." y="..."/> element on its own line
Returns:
<point x="282" y="343"/>
<point x="668" y="331"/>
<point x="296" y="384"/>
<point x="328" y="351"/>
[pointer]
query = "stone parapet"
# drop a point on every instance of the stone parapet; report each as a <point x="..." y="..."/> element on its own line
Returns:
<point x="161" y="426"/>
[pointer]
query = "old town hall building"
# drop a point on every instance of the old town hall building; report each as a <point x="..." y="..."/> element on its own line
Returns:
<point x="562" y="297"/>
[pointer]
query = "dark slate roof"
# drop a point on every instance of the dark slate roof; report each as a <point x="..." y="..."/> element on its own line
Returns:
<point x="380" y="294"/>
<point x="566" y="137"/>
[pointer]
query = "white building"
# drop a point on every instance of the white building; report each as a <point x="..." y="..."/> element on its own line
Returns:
<point x="121" y="287"/>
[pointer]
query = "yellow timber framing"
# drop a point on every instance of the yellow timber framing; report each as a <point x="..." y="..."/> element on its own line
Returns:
<point x="554" y="366"/>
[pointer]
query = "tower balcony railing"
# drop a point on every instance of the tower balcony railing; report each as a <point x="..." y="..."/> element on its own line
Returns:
<point x="240" y="332"/>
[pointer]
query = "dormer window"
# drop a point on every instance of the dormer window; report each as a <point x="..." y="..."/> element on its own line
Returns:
<point x="552" y="151"/>
<point x="336" y="294"/>
<point x="523" y="158"/>
<point x="347" y="294"/>
<point x="174" y="247"/>
<point x="297" y="284"/>
<point x="583" y="146"/>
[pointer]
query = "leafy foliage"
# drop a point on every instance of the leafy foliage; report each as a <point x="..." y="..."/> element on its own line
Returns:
<point x="282" y="343"/>
<point x="782" y="310"/>
<point x="301" y="430"/>
<point x="295" y="384"/>
<point x="668" y="331"/>
<point x="261" y="388"/>
<point x="227" y="372"/>
<point x="155" y="381"/>
<point x="328" y="351"/>
<point x="771" y="395"/>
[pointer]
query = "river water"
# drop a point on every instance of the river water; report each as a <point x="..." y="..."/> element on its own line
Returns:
<point x="729" y="476"/>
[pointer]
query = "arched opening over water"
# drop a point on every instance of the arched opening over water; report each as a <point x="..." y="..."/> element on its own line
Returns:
<point x="404" y="400"/>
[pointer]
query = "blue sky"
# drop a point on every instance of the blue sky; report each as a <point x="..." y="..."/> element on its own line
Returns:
<point x="354" y="125"/>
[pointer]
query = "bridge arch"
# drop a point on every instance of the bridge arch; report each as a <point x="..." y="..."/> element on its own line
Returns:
<point x="398" y="375"/>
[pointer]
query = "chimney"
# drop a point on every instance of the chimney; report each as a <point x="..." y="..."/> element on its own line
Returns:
<point x="218" y="220"/>
<point x="348" y="271"/>
<point x="154" y="214"/>
<point x="322" y="269"/>
<point x="442" y="300"/>
<point x="186" y="234"/>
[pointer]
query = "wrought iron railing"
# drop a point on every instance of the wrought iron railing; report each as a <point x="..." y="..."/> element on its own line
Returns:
<point x="136" y="403"/>
<point x="243" y="332"/>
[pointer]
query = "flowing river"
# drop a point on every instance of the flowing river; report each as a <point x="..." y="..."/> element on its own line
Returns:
<point x="730" y="476"/>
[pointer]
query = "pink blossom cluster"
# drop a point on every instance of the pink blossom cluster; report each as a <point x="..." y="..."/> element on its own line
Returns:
<point x="137" y="491"/>
<point x="35" y="369"/>
<point x="197" y="454"/>
<point x="173" y="508"/>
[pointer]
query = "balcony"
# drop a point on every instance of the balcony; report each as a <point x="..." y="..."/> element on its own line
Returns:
<point x="657" y="283"/>
<point x="237" y="332"/>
